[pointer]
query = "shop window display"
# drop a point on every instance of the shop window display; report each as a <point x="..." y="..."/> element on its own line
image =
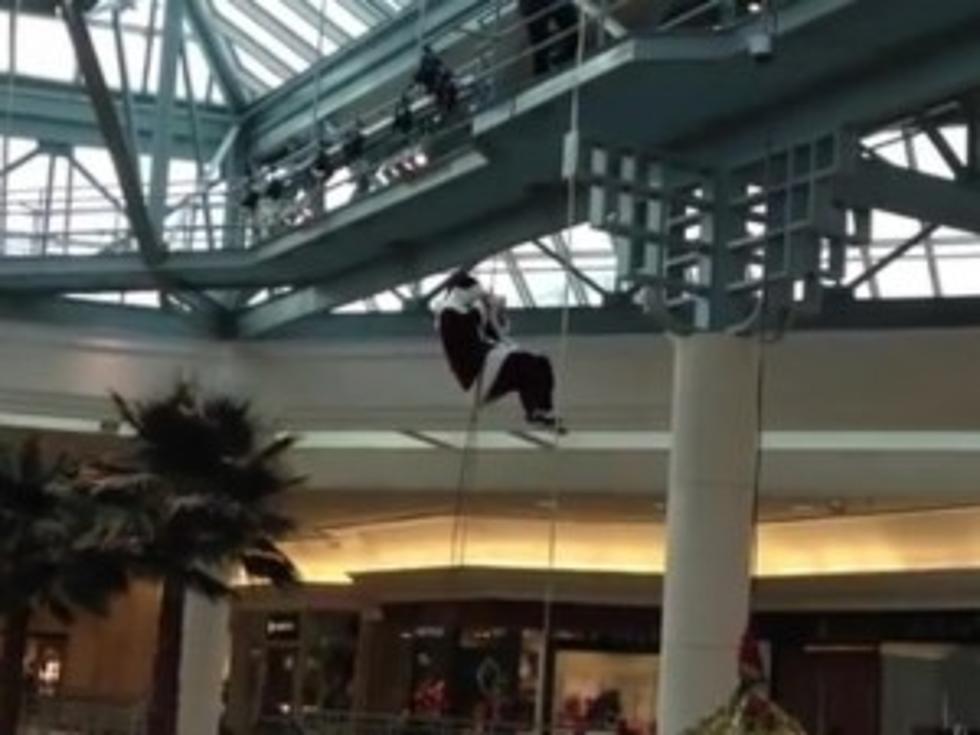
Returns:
<point x="930" y="689"/>
<point x="605" y="692"/>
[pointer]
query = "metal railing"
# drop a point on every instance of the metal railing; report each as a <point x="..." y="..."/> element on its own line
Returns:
<point x="79" y="716"/>
<point x="210" y="215"/>
<point x="351" y="723"/>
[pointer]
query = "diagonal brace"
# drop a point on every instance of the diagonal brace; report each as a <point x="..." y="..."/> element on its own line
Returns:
<point x="150" y="246"/>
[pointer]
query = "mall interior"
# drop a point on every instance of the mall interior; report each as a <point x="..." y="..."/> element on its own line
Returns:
<point x="745" y="237"/>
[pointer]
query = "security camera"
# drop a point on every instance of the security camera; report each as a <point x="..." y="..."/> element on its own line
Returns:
<point x="761" y="47"/>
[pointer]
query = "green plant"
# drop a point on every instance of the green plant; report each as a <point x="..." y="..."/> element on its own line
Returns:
<point x="209" y="487"/>
<point x="61" y="549"/>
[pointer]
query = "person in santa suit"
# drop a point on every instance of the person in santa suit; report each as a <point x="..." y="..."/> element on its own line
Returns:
<point x="473" y="327"/>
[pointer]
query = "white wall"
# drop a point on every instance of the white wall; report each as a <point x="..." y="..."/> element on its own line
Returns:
<point x="917" y="380"/>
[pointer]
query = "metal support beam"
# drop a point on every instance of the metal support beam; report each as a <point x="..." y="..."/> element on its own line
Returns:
<point x="255" y="49"/>
<point x="933" y="66"/>
<point x="48" y="199"/>
<point x="894" y="255"/>
<point x="115" y="139"/>
<point x="331" y="31"/>
<point x="575" y="274"/>
<point x="570" y="267"/>
<point x="173" y="29"/>
<point x="945" y="150"/>
<point x="151" y="249"/>
<point x="520" y="281"/>
<point x="217" y="54"/>
<point x="95" y="183"/>
<point x="61" y="112"/>
<point x="875" y="185"/>
<point x="277" y="29"/>
<point x="202" y="167"/>
<point x="18" y="162"/>
<point x="913" y="161"/>
<point x="127" y="90"/>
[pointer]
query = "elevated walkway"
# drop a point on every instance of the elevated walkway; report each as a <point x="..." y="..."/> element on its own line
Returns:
<point x="699" y="95"/>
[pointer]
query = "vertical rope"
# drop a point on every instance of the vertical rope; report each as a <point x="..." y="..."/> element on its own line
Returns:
<point x="457" y="554"/>
<point x="8" y="119"/>
<point x="760" y="406"/>
<point x="458" y="539"/>
<point x="554" y="501"/>
<point x="420" y="29"/>
<point x="317" y="87"/>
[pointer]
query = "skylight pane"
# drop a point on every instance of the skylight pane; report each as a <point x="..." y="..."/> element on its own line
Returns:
<point x="52" y="59"/>
<point x="260" y="71"/>
<point x="907" y="277"/>
<point x="260" y="35"/>
<point x="960" y="275"/>
<point x="344" y="18"/>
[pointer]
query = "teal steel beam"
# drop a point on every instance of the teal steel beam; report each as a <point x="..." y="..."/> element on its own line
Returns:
<point x="331" y="31"/>
<point x="18" y="162"/>
<point x="119" y="272"/>
<point x="912" y="194"/>
<point x="218" y="56"/>
<point x="447" y="251"/>
<point x="843" y="312"/>
<point x="945" y="150"/>
<point x="534" y="322"/>
<point x="274" y="64"/>
<point x="127" y="91"/>
<point x="173" y="30"/>
<point x="95" y="183"/>
<point x="147" y="236"/>
<point x="81" y="315"/>
<point x="277" y="28"/>
<point x="872" y="272"/>
<point x="58" y="112"/>
<point x="151" y="40"/>
<point x="202" y="172"/>
<point x="935" y="58"/>
<point x="368" y="12"/>
<point x="442" y="219"/>
<point x="152" y="251"/>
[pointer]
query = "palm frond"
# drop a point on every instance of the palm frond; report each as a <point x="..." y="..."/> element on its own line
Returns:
<point x="209" y="486"/>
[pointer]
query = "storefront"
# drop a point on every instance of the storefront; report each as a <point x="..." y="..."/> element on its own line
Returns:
<point x="482" y="666"/>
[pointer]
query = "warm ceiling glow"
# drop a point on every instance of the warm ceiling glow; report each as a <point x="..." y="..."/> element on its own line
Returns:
<point x="899" y="542"/>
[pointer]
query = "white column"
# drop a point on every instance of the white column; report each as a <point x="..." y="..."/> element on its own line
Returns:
<point x="709" y="525"/>
<point x="204" y="655"/>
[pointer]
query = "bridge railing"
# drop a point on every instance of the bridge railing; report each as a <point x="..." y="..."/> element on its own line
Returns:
<point x="206" y="215"/>
<point x="80" y="716"/>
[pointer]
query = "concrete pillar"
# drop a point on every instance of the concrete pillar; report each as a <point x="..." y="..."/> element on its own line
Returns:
<point x="366" y="653"/>
<point x="709" y="525"/>
<point x="204" y="656"/>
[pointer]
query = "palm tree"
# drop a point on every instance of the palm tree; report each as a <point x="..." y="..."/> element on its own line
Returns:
<point x="209" y="486"/>
<point x="61" y="549"/>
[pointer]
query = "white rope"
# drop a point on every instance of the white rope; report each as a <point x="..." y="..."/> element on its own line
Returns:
<point x="554" y="504"/>
<point x="317" y="89"/>
<point x="457" y="553"/>
<point x="420" y="29"/>
<point x="8" y="114"/>
<point x="468" y="455"/>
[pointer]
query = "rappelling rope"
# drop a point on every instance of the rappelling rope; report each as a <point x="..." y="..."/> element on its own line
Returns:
<point x="764" y="338"/>
<point x="571" y="146"/>
<point x="9" y="112"/>
<point x="469" y="448"/>
<point x="318" y="86"/>
<point x="467" y="462"/>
